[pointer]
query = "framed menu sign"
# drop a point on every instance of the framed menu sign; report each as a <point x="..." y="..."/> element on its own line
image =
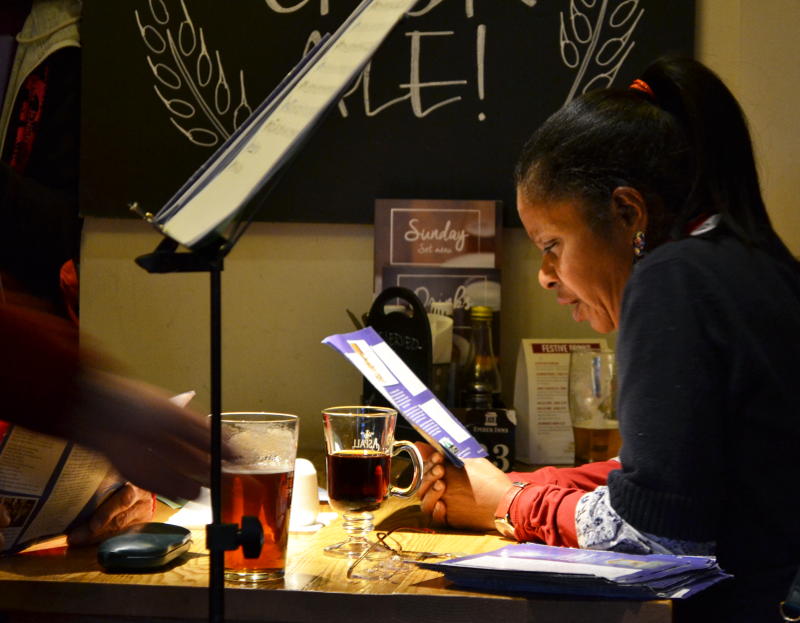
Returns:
<point x="436" y="233"/>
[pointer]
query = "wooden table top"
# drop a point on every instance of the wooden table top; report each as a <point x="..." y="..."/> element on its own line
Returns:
<point x="63" y="585"/>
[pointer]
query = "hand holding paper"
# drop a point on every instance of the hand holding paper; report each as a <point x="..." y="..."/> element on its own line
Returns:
<point x="462" y="498"/>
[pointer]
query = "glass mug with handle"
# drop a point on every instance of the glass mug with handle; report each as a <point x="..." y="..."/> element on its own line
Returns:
<point x="359" y="449"/>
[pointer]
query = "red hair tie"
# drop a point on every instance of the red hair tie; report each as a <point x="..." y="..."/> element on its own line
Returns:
<point x="641" y="85"/>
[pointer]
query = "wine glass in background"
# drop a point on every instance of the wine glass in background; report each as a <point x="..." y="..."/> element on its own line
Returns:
<point x="592" y="394"/>
<point x="359" y="449"/>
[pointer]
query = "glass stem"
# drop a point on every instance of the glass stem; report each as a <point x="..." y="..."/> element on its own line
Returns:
<point x="358" y="525"/>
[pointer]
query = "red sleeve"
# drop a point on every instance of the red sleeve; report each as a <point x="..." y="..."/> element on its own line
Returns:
<point x="585" y="477"/>
<point x="39" y="364"/>
<point x="545" y="512"/>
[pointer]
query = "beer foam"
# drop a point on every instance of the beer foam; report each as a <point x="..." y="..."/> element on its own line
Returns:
<point x="255" y="470"/>
<point x="260" y="448"/>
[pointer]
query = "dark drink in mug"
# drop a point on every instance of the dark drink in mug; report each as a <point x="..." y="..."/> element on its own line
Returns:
<point x="360" y="444"/>
<point x="358" y="480"/>
<point x="266" y="495"/>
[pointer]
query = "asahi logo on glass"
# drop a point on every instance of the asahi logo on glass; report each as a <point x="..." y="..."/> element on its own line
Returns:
<point x="368" y="441"/>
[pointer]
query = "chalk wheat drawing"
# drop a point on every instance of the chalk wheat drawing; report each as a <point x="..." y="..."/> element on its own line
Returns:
<point x="189" y="80"/>
<point x="595" y="61"/>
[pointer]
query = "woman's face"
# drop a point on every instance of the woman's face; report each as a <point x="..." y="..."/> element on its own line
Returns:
<point x="586" y="270"/>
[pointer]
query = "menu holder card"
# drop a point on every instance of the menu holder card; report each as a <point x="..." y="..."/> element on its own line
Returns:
<point x="457" y="289"/>
<point x="531" y="567"/>
<point x="436" y="232"/>
<point x="460" y="288"/>
<point x="382" y="367"/>
<point x="541" y="399"/>
<point x="203" y="213"/>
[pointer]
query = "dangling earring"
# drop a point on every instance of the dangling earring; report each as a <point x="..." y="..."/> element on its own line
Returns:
<point x="638" y="245"/>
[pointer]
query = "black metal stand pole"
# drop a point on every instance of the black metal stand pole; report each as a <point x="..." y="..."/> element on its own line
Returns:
<point x="219" y="537"/>
<point x="216" y="579"/>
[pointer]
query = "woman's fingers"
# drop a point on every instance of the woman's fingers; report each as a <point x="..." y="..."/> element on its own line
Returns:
<point x="433" y="495"/>
<point x="439" y="514"/>
<point x="432" y="475"/>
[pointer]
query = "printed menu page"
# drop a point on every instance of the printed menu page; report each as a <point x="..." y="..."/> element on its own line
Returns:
<point x="382" y="367"/>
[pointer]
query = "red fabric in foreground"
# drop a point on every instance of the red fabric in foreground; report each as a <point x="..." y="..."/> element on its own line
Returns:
<point x="39" y="364"/>
<point x="545" y="511"/>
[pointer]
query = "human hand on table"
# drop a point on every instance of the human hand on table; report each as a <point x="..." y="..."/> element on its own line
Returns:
<point x="461" y="497"/>
<point x="127" y="506"/>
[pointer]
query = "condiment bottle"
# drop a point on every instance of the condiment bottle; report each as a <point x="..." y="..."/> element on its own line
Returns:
<point x="481" y="386"/>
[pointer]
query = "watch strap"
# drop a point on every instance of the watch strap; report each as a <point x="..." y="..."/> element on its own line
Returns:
<point x="508" y="497"/>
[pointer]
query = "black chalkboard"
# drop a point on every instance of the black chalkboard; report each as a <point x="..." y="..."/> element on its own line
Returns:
<point x="442" y="112"/>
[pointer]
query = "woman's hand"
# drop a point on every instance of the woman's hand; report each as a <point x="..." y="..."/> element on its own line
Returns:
<point x="432" y="486"/>
<point x="127" y="506"/>
<point x="461" y="497"/>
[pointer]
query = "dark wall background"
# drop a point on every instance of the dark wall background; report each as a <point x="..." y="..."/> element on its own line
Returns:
<point x="165" y="81"/>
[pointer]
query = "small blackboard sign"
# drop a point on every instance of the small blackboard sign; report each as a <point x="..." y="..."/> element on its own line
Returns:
<point x="441" y="111"/>
<point x="495" y="430"/>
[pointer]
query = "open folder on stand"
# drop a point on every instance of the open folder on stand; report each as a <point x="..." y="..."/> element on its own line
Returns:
<point x="207" y="212"/>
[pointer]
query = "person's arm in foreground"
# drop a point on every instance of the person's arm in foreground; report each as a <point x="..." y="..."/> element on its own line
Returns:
<point x="49" y="387"/>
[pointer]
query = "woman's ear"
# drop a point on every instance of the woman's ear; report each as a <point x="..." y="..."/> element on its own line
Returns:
<point x="629" y="208"/>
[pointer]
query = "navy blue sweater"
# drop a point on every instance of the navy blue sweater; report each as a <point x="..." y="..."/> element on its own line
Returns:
<point x="709" y="407"/>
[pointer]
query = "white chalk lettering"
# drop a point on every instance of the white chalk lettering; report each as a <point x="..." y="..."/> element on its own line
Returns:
<point x="278" y="7"/>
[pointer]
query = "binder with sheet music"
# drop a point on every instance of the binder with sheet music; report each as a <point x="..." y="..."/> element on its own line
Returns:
<point x="209" y="210"/>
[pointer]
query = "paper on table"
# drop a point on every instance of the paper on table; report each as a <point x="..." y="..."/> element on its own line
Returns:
<point x="545" y="566"/>
<point x="564" y="570"/>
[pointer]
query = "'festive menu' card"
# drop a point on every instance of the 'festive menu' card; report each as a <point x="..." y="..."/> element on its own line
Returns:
<point x="541" y="399"/>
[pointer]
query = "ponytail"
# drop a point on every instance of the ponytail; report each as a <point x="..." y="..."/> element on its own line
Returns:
<point x="678" y="136"/>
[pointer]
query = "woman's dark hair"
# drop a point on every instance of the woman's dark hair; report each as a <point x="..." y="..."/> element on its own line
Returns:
<point x="687" y="149"/>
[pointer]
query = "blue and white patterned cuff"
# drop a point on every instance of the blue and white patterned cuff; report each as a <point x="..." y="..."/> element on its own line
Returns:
<point x="598" y="526"/>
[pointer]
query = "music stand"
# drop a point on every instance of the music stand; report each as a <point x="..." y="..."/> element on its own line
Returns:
<point x="220" y="537"/>
<point x="214" y="207"/>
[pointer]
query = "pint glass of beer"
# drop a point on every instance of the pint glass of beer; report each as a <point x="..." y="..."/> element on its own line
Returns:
<point x="258" y="482"/>
<point x="360" y="446"/>
<point x="592" y="391"/>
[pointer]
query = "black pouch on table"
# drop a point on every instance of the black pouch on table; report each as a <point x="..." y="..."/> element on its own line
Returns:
<point x="144" y="547"/>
